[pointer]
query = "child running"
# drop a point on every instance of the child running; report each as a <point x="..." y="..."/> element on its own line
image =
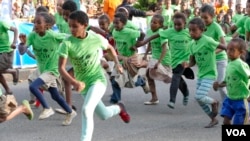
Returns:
<point x="45" y="43"/>
<point x="235" y="105"/>
<point x="215" y="31"/>
<point x="126" y="40"/>
<point x="161" y="59"/>
<point x="202" y="53"/>
<point x="178" y="39"/>
<point x="82" y="48"/>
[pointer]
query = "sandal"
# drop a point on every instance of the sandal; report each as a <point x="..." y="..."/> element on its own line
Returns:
<point x="26" y="104"/>
<point x="212" y="124"/>
<point x="151" y="102"/>
<point x="16" y="77"/>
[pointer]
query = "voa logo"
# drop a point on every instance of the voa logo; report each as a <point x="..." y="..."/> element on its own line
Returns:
<point x="236" y="132"/>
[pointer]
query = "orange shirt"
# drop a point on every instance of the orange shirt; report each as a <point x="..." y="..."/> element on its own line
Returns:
<point x="219" y="8"/>
<point x="109" y="7"/>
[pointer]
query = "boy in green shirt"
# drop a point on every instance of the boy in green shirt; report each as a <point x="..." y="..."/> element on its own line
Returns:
<point x="235" y="105"/>
<point x="126" y="40"/>
<point x="82" y="48"/>
<point x="6" y="55"/>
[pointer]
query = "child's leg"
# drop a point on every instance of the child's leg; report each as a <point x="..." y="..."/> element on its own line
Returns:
<point x="241" y="115"/>
<point x="34" y="88"/>
<point x="116" y="96"/>
<point x="67" y="86"/>
<point x="203" y="87"/>
<point x="92" y="102"/>
<point x="25" y="108"/>
<point x="5" y="85"/>
<point x="154" y="100"/>
<point x="175" y="84"/>
<point x="221" y="69"/>
<point x="184" y="90"/>
<point x="59" y="99"/>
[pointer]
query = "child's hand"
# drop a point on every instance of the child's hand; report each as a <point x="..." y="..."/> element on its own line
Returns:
<point x="119" y="68"/>
<point x="185" y="65"/>
<point x="79" y="86"/>
<point x="133" y="48"/>
<point x="156" y="65"/>
<point x="216" y="85"/>
<point x="22" y="38"/>
<point x="13" y="46"/>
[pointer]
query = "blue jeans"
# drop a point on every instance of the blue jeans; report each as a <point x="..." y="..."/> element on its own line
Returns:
<point x="116" y="95"/>
<point x="34" y="88"/>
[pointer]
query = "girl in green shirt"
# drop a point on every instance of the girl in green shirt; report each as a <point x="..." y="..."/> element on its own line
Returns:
<point x="202" y="54"/>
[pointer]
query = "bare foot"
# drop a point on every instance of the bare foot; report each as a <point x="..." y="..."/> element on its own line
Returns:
<point x="212" y="123"/>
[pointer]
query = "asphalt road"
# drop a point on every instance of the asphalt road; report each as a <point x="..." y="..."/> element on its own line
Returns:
<point x="148" y="123"/>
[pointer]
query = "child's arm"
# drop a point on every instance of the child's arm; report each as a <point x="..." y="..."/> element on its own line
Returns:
<point x="14" y="29"/>
<point x="144" y="42"/>
<point x="96" y="30"/>
<point x="111" y="51"/>
<point x="223" y="42"/>
<point x="221" y="46"/>
<point x="79" y="86"/>
<point x="163" y="53"/>
<point x="191" y="63"/>
<point x="146" y="53"/>
<point x="142" y="36"/>
<point x="217" y="85"/>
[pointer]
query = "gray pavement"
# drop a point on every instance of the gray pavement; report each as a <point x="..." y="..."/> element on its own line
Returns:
<point x="148" y="123"/>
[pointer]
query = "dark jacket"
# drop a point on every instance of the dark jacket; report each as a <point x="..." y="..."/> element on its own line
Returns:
<point x="133" y="11"/>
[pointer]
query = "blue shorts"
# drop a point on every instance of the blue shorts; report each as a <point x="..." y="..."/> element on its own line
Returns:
<point x="238" y="110"/>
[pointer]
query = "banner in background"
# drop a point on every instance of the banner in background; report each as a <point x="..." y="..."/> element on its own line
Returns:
<point x="5" y="9"/>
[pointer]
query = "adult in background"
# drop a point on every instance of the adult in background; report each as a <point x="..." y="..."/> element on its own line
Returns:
<point x="133" y="11"/>
<point x="109" y="7"/>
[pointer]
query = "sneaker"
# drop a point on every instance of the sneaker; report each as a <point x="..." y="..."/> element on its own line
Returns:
<point x="46" y="113"/>
<point x="171" y="105"/>
<point x="185" y="100"/>
<point x="69" y="118"/>
<point x="124" y="114"/>
<point x="145" y="87"/>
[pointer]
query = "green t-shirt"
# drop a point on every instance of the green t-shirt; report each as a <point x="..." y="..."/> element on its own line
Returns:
<point x="241" y="25"/>
<point x="228" y="38"/>
<point x="215" y="31"/>
<point x="61" y="24"/>
<point x="46" y="50"/>
<point x="4" y="37"/>
<point x="178" y="43"/>
<point x="85" y="57"/>
<point x="204" y="52"/>
<point x="236" y="17"/>
<point x="124" y="40"/>
<point x="237" y="79"/>
<point x="247" y="24"/>
<point x="167" y="16"/>
<point x="156" y="48"/>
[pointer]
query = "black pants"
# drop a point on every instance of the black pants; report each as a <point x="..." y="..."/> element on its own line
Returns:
<point x="178" y="82"/>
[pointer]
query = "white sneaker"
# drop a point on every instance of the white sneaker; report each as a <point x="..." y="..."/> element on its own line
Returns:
<point x="69" y="118"/>
<point x="46" y="113"/>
